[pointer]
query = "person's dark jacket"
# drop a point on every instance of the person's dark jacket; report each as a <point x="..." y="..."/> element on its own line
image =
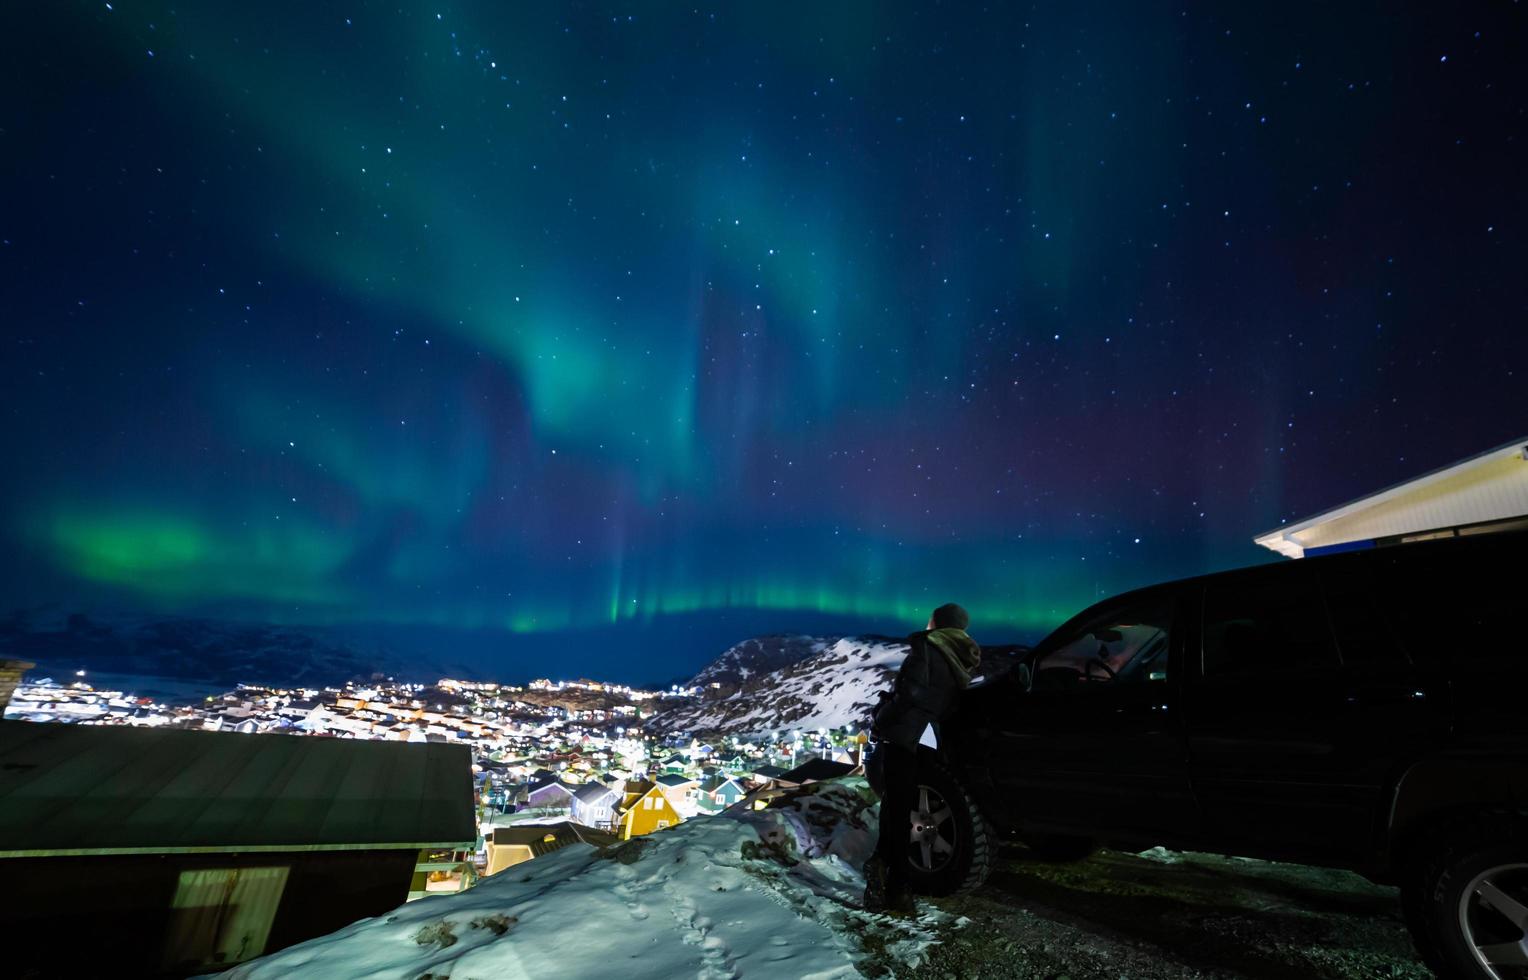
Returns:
<point x="936" y="670"/>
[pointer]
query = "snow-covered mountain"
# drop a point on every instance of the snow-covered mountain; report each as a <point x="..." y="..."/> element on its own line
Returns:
<point x="755" y="657"/>
<point x="788" y="682"/>
<point x="795" y="683"/>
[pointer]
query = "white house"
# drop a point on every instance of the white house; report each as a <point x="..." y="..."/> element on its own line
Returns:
<point x="594" y="804"/>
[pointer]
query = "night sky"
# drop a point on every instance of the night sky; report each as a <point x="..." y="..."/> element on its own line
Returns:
<point x="596" y="337"/>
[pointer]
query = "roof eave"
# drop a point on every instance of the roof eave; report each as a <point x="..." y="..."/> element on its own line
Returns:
<point x="1275" y="536"/>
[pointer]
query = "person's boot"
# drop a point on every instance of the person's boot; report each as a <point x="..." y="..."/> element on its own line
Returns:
<point x="875" y="884"/>
<point x="899" y="899"/>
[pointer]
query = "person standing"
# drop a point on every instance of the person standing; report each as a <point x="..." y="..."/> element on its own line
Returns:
<point x="937" y="668"/>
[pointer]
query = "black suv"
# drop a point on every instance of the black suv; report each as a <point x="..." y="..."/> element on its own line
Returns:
<point x="1365" y="710"/>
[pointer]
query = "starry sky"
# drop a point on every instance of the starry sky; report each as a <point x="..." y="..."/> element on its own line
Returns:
<point x="595" y="337"/>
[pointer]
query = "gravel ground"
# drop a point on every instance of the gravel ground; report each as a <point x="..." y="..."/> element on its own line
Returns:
<point x="1168" y="916"/>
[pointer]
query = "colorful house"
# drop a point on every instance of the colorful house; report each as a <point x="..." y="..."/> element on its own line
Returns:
<point x="682" y="791"/>
<point x="594" y="804"/>
<point x="646" y="813"/>
<point x="553" y="795"/>
<point x="509" y="846"/>
<point x="718" y="793"/>
<point x="632" y="790"/>
<point x="764" y="777"/>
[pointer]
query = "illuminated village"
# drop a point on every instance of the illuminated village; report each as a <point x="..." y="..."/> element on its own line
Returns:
<point x="553" y="762"/>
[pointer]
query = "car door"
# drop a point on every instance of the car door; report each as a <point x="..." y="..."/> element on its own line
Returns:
<point x="1096" y="747"/>
<point x="1458" y="607"/>
<point x="1298" y="710"/>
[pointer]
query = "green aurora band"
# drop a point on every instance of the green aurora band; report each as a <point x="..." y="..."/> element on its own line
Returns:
<point x="545" y="320"/>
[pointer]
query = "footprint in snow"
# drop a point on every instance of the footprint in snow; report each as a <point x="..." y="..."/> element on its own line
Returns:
<point x="716" y="954"/>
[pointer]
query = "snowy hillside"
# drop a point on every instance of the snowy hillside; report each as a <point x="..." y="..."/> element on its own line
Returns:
<point x="836" y="685"/>
<point x="771" y="893"/>
<point x="753" y="658"/>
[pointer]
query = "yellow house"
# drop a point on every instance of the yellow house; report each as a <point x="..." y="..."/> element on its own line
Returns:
<point x="646" y="813"/>
<point x="509" y="846"/>
<point x="631" y="791"/>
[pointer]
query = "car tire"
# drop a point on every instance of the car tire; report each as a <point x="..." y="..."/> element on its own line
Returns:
<point x="971" y="845"/>
<point x="1060" y="848"/>
<point x="1466" y="900"/>
<point x="1414" y="912"/>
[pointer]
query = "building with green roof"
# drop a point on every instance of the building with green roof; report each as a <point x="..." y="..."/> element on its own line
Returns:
<point x="185" y="851"/>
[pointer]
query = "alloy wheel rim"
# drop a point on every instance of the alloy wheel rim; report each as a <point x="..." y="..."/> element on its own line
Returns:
<point x="1493" y="908"/>
<point x="931" y="831"/>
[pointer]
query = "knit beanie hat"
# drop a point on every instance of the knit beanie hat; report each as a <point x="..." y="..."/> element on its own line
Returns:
<point x="951" y="616"/>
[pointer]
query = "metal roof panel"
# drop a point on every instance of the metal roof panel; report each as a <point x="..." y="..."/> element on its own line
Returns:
<point x="88" y="788"/>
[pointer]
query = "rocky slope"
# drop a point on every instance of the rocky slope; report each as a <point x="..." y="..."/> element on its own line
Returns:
<point x="836" y="683"/>
<point x="786" y="683"/>
<point x="753" y="658"/>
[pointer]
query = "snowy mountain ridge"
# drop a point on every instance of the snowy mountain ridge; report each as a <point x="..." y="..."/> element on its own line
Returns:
<point x="823" y="682"/>
<point x="759" y="655"/>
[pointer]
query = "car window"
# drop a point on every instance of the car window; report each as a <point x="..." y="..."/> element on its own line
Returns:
<point x="1449" y="601"/>
<point x="1366" y="637"/>
<point x="1266" y="628"/>
<point x="1123" y="645"/>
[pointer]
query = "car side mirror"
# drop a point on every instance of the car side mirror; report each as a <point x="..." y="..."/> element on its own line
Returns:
<point x="1024" y="677"/>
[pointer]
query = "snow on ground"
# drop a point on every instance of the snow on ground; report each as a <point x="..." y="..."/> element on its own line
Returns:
<point x="769" y="893"/>
<point x="523" y="818"/>
<point x="775" y="894"/>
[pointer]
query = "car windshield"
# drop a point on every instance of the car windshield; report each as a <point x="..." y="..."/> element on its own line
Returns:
<point x="1116" y="644"/>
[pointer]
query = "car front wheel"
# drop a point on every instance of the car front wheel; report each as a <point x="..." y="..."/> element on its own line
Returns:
<point x="1469" y="901"/>
<point x="950" y="843"/>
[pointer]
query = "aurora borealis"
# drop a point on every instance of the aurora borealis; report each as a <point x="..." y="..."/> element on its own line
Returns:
<point x="641" y="328"/>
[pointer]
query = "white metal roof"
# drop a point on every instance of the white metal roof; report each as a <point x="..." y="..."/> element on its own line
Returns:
<point x="1492" y="486"/>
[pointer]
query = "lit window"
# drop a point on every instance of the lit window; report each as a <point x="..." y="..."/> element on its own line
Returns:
<point x="222" y="916"/>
